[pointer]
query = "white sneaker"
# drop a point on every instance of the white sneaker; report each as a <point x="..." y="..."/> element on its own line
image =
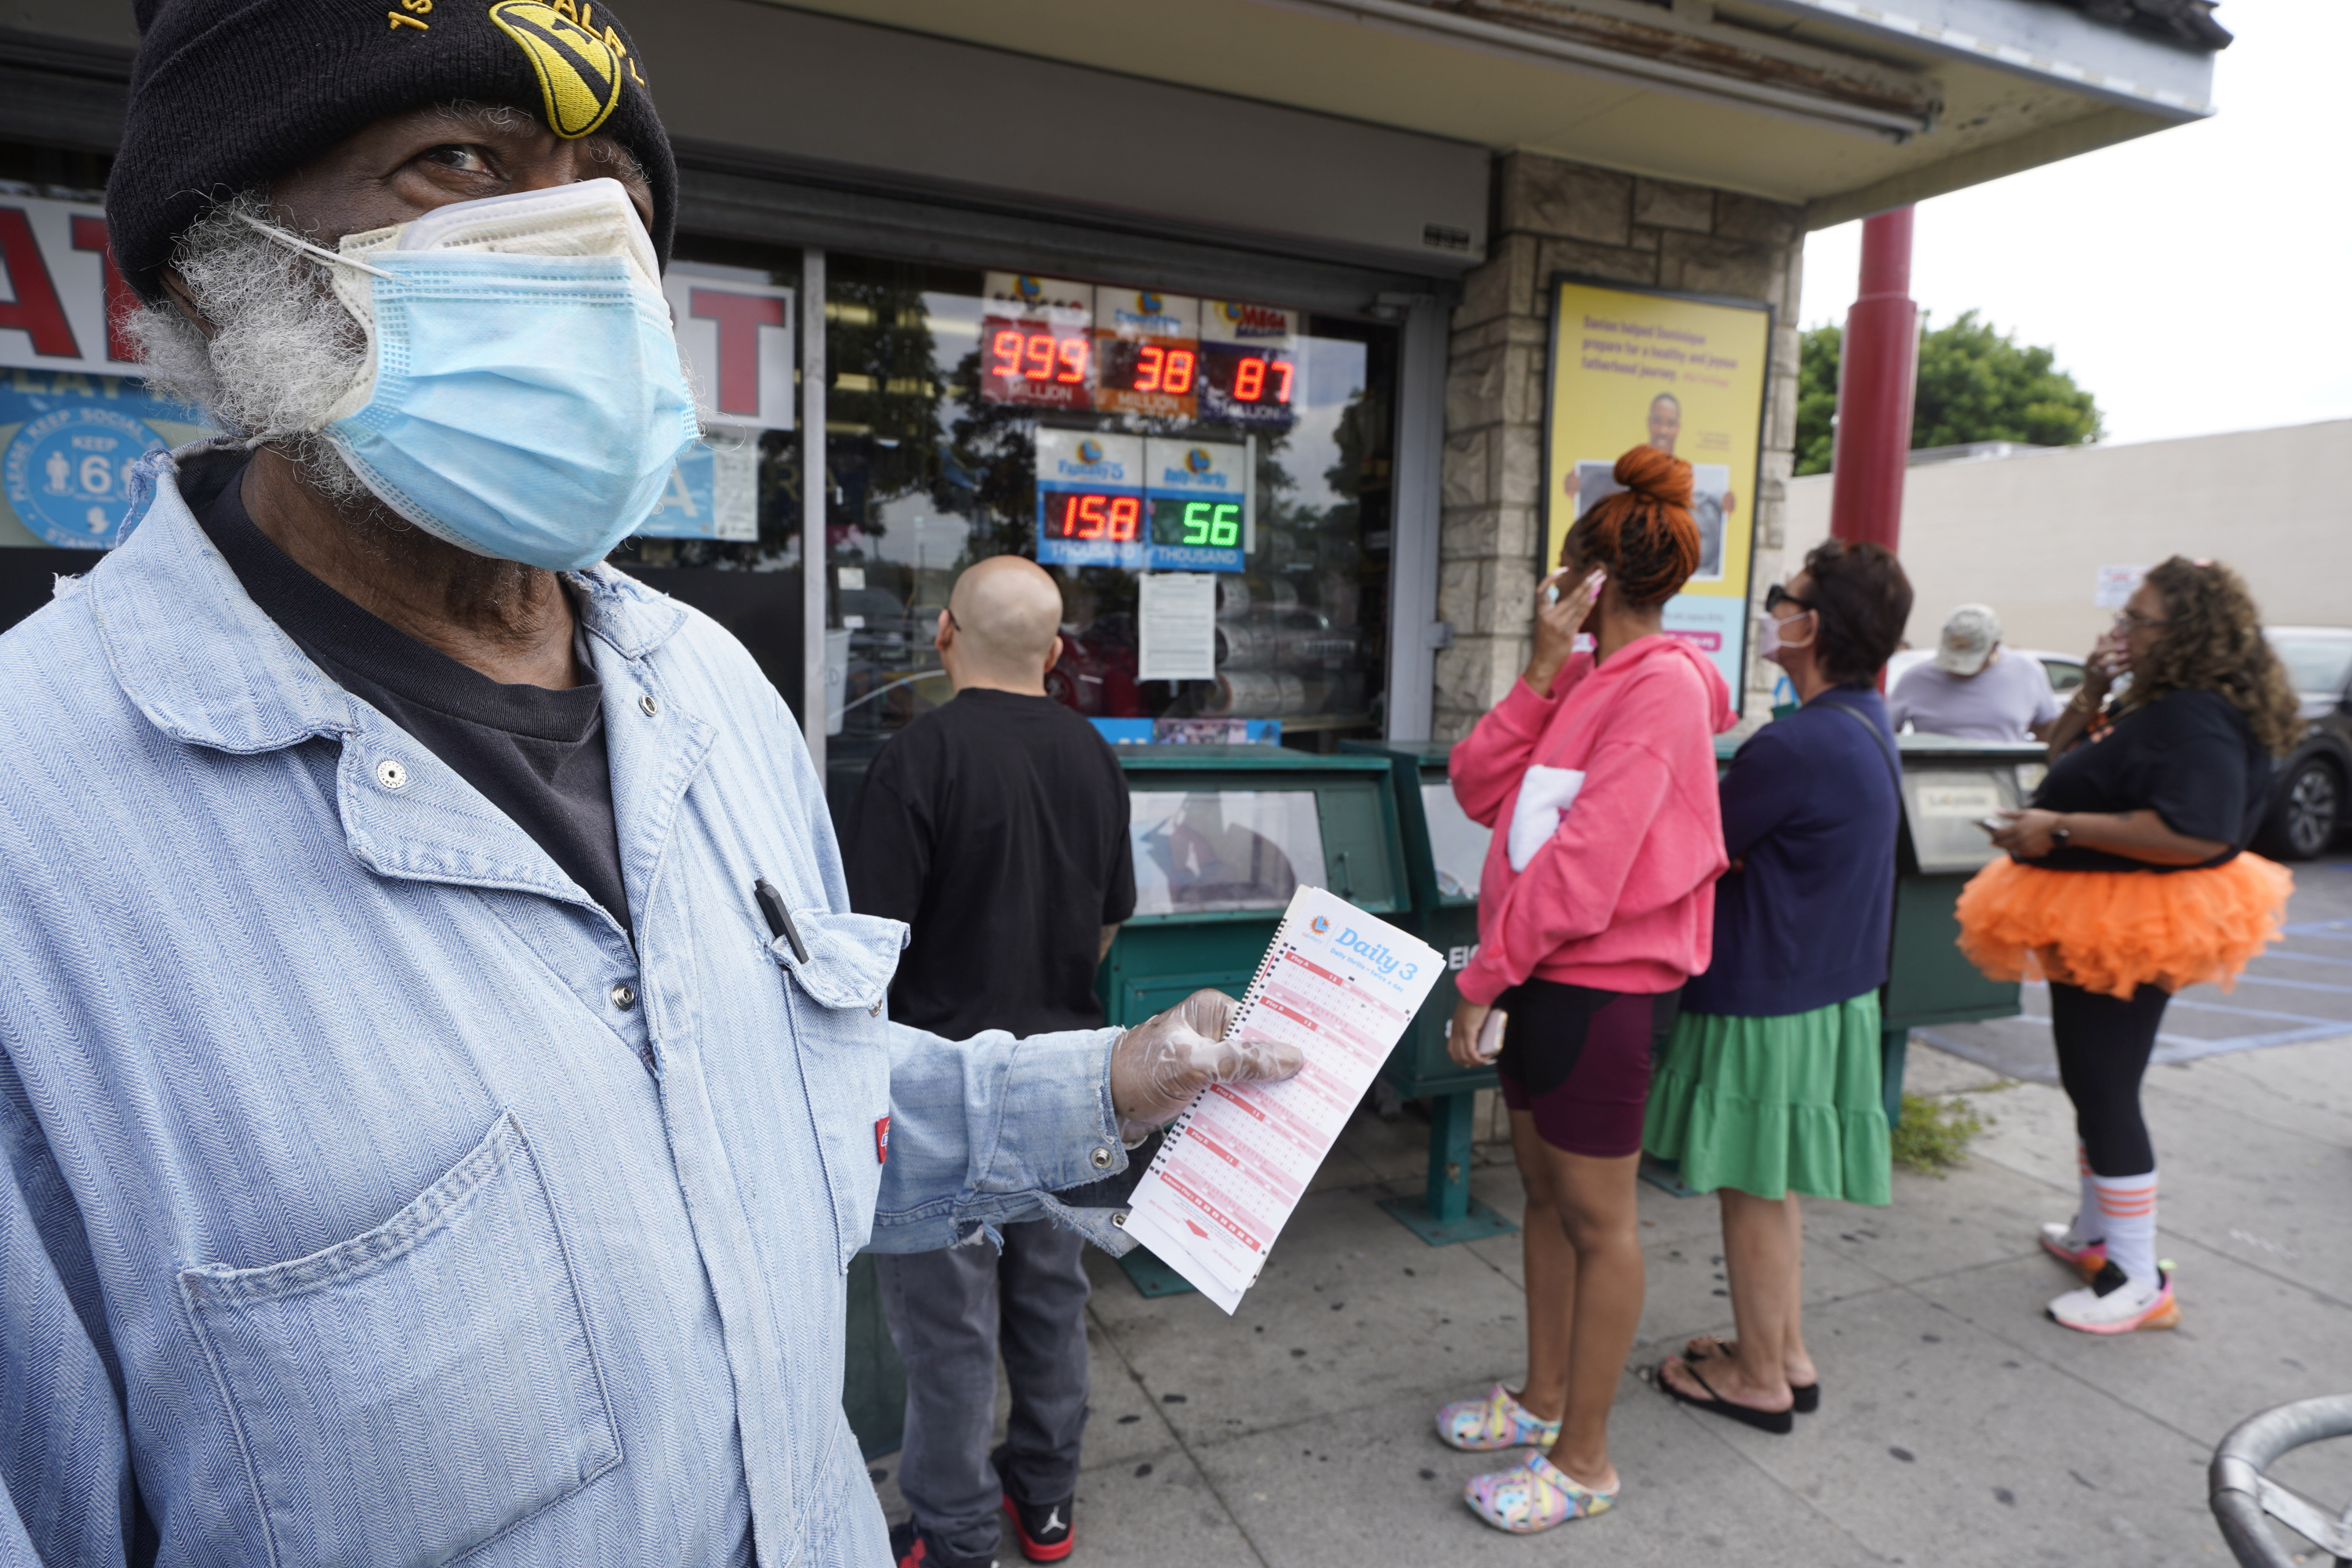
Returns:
<point x="2115" y="1304"/>
<point x="2085" y="1258"/>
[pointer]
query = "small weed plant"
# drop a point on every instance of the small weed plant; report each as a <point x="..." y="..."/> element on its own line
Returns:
<point x="1934" y="1133"/>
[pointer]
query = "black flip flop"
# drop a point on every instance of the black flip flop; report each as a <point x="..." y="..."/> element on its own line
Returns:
<point x="1808" y="1395"/>
<point x="1780" y="1423"/>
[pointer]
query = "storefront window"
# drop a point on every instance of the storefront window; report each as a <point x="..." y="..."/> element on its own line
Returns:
<point x="1207" y="481"/>
<point x="726" y="535"/>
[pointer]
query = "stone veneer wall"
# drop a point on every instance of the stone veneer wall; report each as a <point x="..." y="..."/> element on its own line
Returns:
<point x="1554" y="216"/>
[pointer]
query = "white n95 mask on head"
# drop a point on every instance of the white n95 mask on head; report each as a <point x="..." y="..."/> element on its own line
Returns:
<point x="522" y="394"/>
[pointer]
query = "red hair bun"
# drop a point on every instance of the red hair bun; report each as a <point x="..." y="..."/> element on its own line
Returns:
<point x="1643" y="536"/>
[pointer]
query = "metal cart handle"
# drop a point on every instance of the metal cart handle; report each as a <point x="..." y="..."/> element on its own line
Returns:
<point x="2242" y="1494"/>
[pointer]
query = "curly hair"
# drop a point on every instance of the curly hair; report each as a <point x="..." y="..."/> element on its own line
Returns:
<point x="2213" y="642"/>
<point x="1643" y="535"/>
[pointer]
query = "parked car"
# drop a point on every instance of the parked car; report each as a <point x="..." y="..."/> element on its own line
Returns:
<point x="2307" y="798"/>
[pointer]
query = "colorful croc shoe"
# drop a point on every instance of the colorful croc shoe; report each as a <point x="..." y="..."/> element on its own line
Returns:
<point x="1498" y="1421"/>
<point x="2115" y="1304"/>
<point x="1534" y="1497"/>
<point x="2085" y="1258"/>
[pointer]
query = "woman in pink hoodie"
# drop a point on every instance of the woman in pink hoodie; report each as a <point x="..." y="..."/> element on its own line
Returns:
<point x="1597" y="774"/>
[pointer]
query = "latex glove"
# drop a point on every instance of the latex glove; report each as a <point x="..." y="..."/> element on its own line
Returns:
<point x="1159" y="1066"/>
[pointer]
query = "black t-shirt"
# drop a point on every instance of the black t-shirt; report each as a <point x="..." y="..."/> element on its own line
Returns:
<point x="2189" y="756"/>
<point x="536" y="754"/>
<point x="996" y="827"/>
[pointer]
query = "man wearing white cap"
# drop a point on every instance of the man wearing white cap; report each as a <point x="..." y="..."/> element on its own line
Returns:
<point x="1971" y="691"/>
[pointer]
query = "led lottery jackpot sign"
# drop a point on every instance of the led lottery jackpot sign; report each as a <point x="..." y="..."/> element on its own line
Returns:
<point x="1090" y="501"/>
<point x="1248" y="363"/>
<point x="1036" y="342"/>
<point x="1197" y="500"/>
<point x="1147" y="352"/>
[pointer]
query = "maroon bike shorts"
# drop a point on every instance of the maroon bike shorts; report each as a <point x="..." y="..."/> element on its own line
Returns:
<point x="1578" y="1059"/>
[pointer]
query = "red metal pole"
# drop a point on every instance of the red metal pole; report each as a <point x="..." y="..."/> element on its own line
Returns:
<point x="1878" y="372"/>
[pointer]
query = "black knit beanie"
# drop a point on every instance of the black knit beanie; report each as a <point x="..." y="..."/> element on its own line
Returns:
<point x="226" y="95"/>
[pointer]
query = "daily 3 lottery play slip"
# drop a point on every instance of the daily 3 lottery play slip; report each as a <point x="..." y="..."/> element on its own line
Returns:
<point x="1341" y="986"/>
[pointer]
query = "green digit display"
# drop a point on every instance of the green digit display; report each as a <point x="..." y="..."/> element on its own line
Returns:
<point x="1180" y="524"/>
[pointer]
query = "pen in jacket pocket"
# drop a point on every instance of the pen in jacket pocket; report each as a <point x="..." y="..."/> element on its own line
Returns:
<point x="779" y="918"/>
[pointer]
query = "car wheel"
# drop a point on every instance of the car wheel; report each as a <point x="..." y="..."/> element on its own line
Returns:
<point x="2304" y="816"/>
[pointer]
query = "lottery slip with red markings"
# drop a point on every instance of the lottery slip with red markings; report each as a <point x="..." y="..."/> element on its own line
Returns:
<point x="1341" y="986"/>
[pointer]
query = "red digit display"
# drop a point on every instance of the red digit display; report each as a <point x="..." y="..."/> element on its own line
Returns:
<point x="1149" y="362"/>
<point x="1250" y="376"/>
<point x="1006" y="346"/>
<point x="1183" y="365"/>
<point x="1016" y="355"/>
<point x="1114" y="518"/>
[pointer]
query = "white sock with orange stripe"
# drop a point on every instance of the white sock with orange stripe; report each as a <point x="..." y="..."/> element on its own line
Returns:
<point x="2127" y="1211"/>
<point x="2089" y="1225"/>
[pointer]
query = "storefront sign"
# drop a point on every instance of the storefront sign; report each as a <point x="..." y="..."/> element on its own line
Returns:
<point x="1036" y="342"/>
<point x="1682" y="374"/>
<point x="1197" y="494"/>
<point x="714" y="491"/>
<point x="737" y="332"/>
<point x="1147" y="352"/>
<point x="1248" y="363"/>
<point x="67" y="444"/>
<point x="1089" y="499"/>
<point x="59" y="273"/>
<point x="1050" y="343"/>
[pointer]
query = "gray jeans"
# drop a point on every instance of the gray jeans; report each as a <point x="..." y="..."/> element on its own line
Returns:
<point x="950" y="1313"/>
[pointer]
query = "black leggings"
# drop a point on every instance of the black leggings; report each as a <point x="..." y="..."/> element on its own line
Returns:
<point x="2103" y="1050"/>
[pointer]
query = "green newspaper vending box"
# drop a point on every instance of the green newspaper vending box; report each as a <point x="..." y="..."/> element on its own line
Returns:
<point x="1224" y="835"/>
<point x="1443" y="852"/>
<point x="1947" y="785"/>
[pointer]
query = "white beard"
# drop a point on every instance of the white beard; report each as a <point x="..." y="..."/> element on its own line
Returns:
<point x="284" y="348"/>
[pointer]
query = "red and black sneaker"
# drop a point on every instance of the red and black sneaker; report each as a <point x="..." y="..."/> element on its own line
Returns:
<point x="1044" y="1528"/>
<point x="910" y="1547"/>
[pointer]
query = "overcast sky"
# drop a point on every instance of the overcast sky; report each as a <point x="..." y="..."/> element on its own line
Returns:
<point x="2196" y="281"/>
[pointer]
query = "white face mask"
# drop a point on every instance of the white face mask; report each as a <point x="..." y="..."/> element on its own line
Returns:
<point x="1769" y="640"/>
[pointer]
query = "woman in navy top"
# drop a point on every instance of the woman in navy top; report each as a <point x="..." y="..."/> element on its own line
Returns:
<point x="1770" y="1082"/>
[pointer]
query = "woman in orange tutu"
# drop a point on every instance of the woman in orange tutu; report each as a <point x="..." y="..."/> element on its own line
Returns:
<point x="2127" y="880"/>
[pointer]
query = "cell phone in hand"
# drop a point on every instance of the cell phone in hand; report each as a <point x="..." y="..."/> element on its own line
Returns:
<point x="1992" y="824"/>
<point x="1490" y="1036"/>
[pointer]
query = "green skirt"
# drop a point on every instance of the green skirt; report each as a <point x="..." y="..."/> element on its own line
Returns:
<point x="1771" y="1106"/>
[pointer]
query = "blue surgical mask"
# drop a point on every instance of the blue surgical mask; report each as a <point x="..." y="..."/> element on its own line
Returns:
<point x="523" y="395"/>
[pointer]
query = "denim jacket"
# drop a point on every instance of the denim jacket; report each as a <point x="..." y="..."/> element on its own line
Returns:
<point x="365" y="1195"/>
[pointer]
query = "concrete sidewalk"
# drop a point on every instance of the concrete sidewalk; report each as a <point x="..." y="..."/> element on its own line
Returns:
<point x="1958" y="1425"/>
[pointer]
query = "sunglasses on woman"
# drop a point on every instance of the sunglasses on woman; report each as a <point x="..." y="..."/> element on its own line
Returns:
<point x="1775" y="596"/>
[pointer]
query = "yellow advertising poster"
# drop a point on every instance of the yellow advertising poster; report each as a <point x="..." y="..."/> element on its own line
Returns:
<point x="1686" y="374"/>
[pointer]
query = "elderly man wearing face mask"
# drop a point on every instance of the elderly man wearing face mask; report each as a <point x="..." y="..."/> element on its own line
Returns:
<point x="442" y="1082"/>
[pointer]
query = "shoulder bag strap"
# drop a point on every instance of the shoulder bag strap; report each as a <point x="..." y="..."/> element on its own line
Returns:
<point x="1885" y="749"/>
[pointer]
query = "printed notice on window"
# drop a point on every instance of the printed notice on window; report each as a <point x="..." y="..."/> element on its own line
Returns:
<point x="1341" y="986"/>
<point x="1176" y="625"/>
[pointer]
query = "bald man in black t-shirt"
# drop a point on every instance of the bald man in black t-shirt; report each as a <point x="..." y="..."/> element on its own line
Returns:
<point x="996" y="827"/>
